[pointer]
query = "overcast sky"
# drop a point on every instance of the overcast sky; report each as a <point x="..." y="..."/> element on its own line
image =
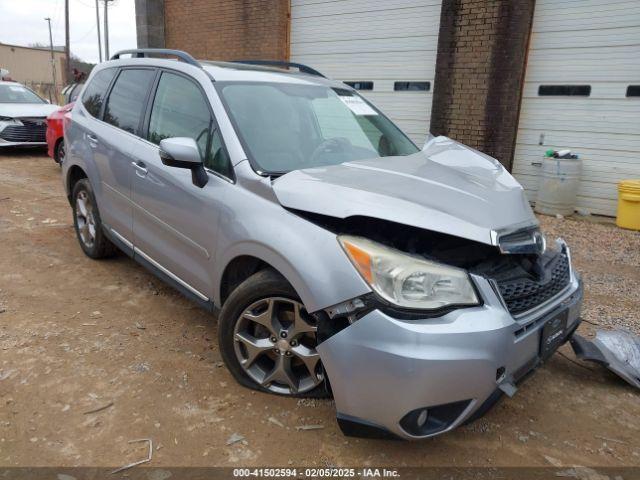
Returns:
<point x="22" y="23"/>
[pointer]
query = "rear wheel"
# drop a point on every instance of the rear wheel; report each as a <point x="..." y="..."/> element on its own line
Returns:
<point x="87" y="223"/>
<point x="59" y="152"/>
<point x="268" y="339"/>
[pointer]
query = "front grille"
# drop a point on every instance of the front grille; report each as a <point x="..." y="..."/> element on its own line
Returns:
<point x="523" y="294"/>
<point x="32" y="130"/>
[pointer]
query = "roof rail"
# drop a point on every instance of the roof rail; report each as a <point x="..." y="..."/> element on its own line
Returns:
<point x="277" y="63"/>
<point x="148" y="52"/>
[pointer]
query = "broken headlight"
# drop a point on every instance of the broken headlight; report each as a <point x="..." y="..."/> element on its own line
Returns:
<point x="408" y="281"/>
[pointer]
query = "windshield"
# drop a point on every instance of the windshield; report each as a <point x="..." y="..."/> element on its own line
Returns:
<point x="18" y="94"/>
<point x="287" y="127"/>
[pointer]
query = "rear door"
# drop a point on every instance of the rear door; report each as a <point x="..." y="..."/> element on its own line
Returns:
<point x="175" y="222"/>
<point x="86" y="140"/>
<point x="115" y="142"/>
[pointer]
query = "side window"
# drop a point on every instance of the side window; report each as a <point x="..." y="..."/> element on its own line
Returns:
<point x="180" y="110"/>
<point x="93" y="96"/>
<point x="126" y="100"/>
<point x="217" y="158"/>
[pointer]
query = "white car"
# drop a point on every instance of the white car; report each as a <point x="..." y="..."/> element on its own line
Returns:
<point x="23" y="116"/>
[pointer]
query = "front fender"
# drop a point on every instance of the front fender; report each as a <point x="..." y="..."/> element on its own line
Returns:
<point x="309" y="257"/>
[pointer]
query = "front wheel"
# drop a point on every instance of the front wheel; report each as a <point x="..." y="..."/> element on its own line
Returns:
<point x="268" y="339"/>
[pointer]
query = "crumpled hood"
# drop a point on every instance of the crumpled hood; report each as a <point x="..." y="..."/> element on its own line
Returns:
<point x="16" y="110"/>
<point x="447" y="187"/>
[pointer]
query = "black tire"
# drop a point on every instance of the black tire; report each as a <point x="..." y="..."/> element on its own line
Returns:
<point x="58" y="153"/>
<point x="264" y="284"/>
<point x="101" y="246"/>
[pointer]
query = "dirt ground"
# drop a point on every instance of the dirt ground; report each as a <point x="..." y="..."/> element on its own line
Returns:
<point x="77" y="335"/>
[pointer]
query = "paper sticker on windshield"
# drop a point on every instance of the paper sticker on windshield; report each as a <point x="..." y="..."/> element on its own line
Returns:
<point x="357" y="105"/>
<point x="13" y="88"/>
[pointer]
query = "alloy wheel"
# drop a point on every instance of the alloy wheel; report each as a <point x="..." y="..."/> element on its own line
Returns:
<point x="85" y="219"/>
<point x="275" y="343"/>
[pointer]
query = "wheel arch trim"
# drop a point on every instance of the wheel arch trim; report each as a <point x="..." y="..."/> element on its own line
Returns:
<point x="266" y="255"/>
<point x="320" y="272"/>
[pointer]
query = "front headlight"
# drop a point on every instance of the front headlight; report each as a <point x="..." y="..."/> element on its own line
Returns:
<point x="408" y="281"/>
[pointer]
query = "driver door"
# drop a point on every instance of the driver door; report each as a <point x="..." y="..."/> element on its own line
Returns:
<point x="174" y="221"/>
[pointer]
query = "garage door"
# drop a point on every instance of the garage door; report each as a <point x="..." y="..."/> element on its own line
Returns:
<point x="582" y="91"/>
<point x="385" y="48"/>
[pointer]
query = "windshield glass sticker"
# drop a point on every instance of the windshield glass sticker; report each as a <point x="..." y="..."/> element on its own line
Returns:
<point x="357" y="105"/>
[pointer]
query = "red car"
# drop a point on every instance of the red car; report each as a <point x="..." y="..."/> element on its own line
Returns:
<point x="55" y="132"/>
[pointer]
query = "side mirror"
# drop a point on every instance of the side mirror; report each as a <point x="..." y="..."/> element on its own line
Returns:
<point x="182" y="152"/>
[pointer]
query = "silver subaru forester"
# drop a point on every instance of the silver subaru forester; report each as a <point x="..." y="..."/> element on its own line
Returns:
<point x="413" y="285"/>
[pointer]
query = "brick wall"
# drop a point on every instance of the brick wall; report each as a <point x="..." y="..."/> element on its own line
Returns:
<point x="480" y="73"/>
<point x="228" y="29"/>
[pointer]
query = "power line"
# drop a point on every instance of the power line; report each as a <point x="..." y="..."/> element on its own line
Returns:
<point x="84" y="4"/>
<point x="89" y="32"/>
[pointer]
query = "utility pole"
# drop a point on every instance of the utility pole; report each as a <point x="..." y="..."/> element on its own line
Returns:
<point x="67" y="47"/>
<point x="106" y="29"/>
<point x="98" y="23"/>
<point x="53" y="63"/>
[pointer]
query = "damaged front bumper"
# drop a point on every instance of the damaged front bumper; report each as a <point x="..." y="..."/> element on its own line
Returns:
<point x="418" y="378"/>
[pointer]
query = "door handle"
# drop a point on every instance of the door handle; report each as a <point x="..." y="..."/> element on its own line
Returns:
<point x="141" y="168"/>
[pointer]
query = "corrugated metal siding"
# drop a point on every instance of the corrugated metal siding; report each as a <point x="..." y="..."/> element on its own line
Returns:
<point x="593" y="43"/>
<point x="373" y="40"/>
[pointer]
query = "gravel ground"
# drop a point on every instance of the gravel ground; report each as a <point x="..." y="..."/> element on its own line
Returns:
<point x="609" y="260"/>
<point x="94" y="354"/>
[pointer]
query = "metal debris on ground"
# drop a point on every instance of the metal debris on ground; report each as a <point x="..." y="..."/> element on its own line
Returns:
<point x="235" y="438"/>
<point x="309" y="427"/>
<point x="618" y="350"/>
<point x="99" y="409"/>
<point x="607" y="439"/>
<point x="139" y="462"/>
<point x="275" y="421"/>
<point x="553" y="461"/>
<point x="141" y="367"/>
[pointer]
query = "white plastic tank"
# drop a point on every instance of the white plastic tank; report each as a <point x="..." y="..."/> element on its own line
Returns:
<point x="558" y="186"/>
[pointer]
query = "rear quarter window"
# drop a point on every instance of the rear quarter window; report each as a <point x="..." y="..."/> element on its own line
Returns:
<point x="94" y="94"/>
